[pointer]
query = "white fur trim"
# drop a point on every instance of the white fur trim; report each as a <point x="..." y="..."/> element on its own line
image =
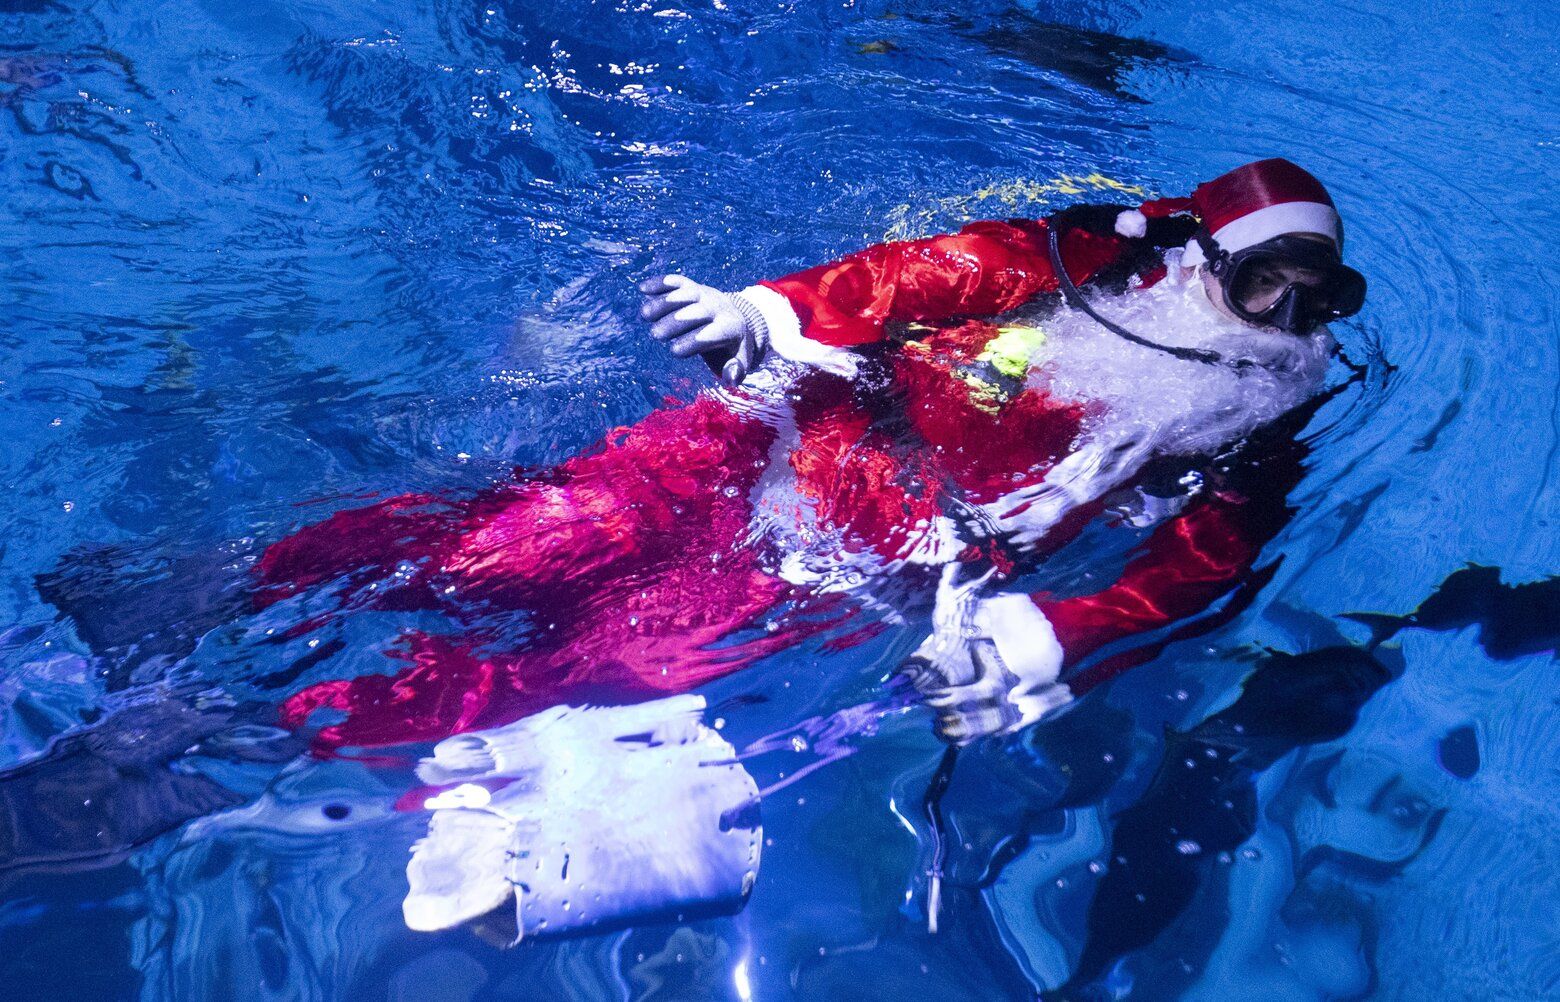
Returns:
<point x="1132" y="223"/>
<point x="785" y="334"/>
<point x="1273" y="221"/>
<point x="1023" y="636"/>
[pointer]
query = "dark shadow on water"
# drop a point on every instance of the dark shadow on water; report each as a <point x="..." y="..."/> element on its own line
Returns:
<point x="1202" y="801"/>
<point x="146" y="606"/>
<point x="1513" y="620"/>
<point x="97" y="794"/>
<point x="1094" y="59"/>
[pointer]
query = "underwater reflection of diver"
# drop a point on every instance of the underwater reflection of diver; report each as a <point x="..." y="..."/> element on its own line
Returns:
<point x="1202" y="801"/>
<point x="97" y="794"/>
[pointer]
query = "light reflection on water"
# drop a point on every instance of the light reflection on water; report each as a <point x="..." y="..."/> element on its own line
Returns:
<point x="265" y="262"/>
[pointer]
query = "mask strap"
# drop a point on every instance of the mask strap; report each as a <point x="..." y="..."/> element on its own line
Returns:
<point x="1215" y="256"/>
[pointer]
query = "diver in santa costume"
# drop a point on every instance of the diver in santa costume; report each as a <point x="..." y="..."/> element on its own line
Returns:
<point x="921" y="431"/>
<point x="947" y="412"/>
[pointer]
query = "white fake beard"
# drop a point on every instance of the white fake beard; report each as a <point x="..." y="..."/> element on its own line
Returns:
<point x="1163" y="404"/>
<point x="1139" y="402"/>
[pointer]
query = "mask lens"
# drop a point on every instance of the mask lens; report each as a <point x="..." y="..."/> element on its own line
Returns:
<point x="1293" y="312"/>
<point x="1257" y="284"/>
<point x="1346" y="295"/>
<point x="1309" y="291"/>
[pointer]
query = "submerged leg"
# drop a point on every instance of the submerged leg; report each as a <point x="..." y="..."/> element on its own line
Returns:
<point x="98" y="793"/>
<point x="137" y="605"/>
<point x="641" y="637"/>
<point x="631" y="561"/>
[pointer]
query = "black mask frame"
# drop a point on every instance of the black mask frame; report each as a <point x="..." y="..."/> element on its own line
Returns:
<point x="1301" y="307"/>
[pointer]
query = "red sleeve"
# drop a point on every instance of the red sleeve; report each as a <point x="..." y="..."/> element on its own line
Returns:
<point x="984" y="269"/>
<point x="1184" y="567"/>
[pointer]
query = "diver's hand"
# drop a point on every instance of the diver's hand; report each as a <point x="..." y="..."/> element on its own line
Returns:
<point x="1022" y="519"/>
<point x="990" y="666"/>
<point x="1026" y="516"/>
<point x="695" y="319"/>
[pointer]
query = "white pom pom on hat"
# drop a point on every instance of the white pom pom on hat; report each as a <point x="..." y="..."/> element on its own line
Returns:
<point x="1132" y="223"/>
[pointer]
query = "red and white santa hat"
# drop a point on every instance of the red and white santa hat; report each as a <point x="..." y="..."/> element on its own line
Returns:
<point x="1250" y="204"/>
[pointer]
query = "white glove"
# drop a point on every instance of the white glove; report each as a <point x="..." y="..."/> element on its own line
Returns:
<point x="990" y="665"/>
<point x="1025" y="517"/>
<point x="695" y="319"/>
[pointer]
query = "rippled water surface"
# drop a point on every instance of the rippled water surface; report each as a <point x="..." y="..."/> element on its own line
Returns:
<point x="262" y="261"/>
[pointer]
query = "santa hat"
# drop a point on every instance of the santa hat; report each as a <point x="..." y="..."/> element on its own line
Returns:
<point x="1250" y="204"/>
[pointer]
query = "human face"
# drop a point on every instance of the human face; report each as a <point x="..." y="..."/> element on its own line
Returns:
<point x="1216" y="295"/>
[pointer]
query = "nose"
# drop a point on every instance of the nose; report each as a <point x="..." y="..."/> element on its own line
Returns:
<point x="1290" y="313"/>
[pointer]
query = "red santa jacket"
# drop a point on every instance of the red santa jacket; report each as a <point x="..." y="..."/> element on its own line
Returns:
<point x="923" y="311"/>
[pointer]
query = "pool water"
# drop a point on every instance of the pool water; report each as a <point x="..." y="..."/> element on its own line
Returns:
<point x="264" y="261"/>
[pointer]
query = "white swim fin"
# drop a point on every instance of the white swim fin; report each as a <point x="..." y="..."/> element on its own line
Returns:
<point x="611" y="815"/>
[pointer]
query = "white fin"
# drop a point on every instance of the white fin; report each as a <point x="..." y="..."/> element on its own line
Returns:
<point x="611" y="815"/>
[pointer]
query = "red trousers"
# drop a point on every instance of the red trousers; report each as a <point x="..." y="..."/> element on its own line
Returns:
<point x="632" y="561"/>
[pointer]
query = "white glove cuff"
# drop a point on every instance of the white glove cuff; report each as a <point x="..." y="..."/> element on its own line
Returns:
<point x="757" y="324"/>
<point x="785" y="333"/>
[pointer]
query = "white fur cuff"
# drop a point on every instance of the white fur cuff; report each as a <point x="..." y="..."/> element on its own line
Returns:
<point x="785" y="334"/>
<point x="1023" y="637"/>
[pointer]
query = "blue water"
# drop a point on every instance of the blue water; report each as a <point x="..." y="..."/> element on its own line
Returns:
<point x="261" y="260"/>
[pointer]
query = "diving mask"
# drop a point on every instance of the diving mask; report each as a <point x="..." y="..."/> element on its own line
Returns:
<point x="1290" y="282"/>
